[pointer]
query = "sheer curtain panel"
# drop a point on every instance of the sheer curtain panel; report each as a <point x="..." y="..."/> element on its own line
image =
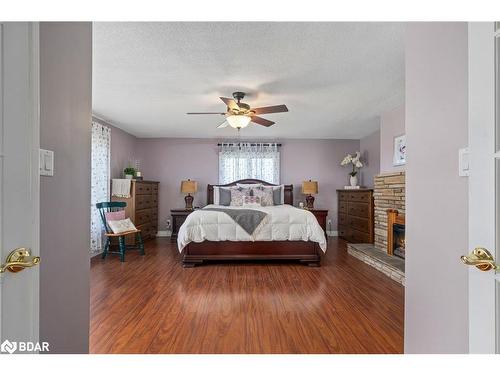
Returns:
<point x="101" y="148"/>
<point x="239" y="161"/>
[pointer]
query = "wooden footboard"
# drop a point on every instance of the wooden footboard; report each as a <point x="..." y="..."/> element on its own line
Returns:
<point x="304" y="251"/>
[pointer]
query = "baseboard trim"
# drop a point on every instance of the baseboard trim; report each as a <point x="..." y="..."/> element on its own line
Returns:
<point x="332" y="233"/>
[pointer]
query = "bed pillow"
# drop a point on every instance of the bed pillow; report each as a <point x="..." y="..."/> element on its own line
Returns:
<point x="120" y="226"/>
<point x="249" y="186"/>
<point x="114" y="215"/>
<point x="251" y="201"/>
<point x="278" y="194"/>
<point x="224" y="196"/>
<point x="238" y="196"/>
<point x="265" y="195"/>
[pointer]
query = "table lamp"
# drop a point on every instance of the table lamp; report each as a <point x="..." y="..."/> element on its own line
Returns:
<point x="309" y="188"/>
<point x="189" y="187"/>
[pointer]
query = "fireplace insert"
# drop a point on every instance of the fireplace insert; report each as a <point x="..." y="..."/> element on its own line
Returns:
<point x="398" y="231"/>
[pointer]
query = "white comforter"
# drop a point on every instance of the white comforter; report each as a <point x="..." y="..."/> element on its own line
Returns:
<point x="282" y="223"/>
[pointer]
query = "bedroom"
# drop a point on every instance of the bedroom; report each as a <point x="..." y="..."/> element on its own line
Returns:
<point x="330" y="103"/>
<point x="284" y="218"/>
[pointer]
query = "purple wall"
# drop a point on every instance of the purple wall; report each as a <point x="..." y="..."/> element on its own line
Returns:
<point x="65" y="116"/>
<point x="170" y="160"/>
<point x="392" y="124"/>
<point x="370" y="155"/>
<point x="122" y="149"/>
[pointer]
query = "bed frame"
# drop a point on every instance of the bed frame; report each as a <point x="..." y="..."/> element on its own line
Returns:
<point x="307" y="252"/>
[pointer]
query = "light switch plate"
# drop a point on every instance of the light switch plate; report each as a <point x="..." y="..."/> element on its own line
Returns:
<point x="463" y="162"/>
<point x="46" y="162"/>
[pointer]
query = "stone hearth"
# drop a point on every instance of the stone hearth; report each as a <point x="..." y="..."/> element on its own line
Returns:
<point x="392" y="266"/>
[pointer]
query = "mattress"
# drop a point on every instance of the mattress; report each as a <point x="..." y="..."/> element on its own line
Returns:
<point x="282" y="223"/>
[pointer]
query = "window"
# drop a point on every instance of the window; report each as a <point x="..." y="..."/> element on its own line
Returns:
<point x="238" y="161"/>
<point x="101" y="145"/>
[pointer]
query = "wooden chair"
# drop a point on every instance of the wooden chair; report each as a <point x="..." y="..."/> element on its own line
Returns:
<point x="104" y="207"/>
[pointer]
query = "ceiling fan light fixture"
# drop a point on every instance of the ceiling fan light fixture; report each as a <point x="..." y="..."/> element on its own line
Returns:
<point x="238" y="121"/>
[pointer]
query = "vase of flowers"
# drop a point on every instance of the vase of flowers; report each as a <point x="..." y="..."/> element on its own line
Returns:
<point x="355" y="162"/>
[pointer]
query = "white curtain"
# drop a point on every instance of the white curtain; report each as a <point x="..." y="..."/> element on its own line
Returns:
<point x="101" y="148"/>
<point x="239" y="161"/>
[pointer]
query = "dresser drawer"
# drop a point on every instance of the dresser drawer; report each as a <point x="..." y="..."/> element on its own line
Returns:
<point x="358" y="209"/>
<point x="142" y="217"/>
<point x="343" y="196"/>
<point x="154" y="200"/>
<point x="359" y="224"/>
<point x="154" y="189"/>
<point x="343" y="219"/>
<point x="343" y="207"/>
<point x="144" y="228"/>
<point x="359" y="237"/>
<point x="153" y="230"/>
<point x="142" y="202"/>
<point x="142" y="188"/>
<point x="344" y="232"/>
<point x="363" y="196"/>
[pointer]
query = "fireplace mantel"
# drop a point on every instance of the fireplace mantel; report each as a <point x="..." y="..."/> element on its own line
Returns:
<point x="393" y="217"/>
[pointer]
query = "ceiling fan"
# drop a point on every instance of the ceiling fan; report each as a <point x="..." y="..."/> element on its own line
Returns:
<point x="239" y="115"/>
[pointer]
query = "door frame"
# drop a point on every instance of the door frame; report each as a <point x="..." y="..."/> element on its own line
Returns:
<point x="482" y="213"/>
<point x="33" y="223"/>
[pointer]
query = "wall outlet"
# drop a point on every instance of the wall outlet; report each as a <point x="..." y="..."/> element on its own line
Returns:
<point x="168" y="223"/>
<point x="329" y="222"/>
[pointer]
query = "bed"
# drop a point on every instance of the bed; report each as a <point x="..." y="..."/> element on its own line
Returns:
<point x="286" y="233"/>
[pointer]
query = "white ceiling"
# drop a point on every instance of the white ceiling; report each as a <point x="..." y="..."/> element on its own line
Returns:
<point x="335" y="78"/>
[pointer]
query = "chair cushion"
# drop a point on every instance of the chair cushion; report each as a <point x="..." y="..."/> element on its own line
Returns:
<point x="120" y="226"/>
<point x="114" y="215"/>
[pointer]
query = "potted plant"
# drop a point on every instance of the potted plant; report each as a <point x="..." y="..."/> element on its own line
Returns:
<point x="129" y="173"/>
<point x="356" y="163"/>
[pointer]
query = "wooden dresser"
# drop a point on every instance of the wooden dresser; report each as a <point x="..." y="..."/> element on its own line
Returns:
<point x="355" y="220"/>
<point x="142" y="208"/>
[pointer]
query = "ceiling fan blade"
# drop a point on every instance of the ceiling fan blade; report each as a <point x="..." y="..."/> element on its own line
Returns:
<point x="261" y="121"/>
<point x="230" y="103"/>
<point x="270" y="109"/>
<point x="205" y="113"/>
<point x="223" y="125"/>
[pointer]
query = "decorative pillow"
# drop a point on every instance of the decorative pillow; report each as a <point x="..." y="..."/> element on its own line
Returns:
<point x="251" y="201"/>
<point x="224" y="196"/>
<point x="114" y="215"/>
<point x="120" y="226"/>
<point x="278" y="194"/>
<point x="238" y="196"/>
<point x="265" y="195"/>
<point x="249" y="186"/>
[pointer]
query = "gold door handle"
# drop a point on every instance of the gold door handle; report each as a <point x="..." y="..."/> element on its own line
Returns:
<point x="481" y="258"/>
<point x="18" y="260"/>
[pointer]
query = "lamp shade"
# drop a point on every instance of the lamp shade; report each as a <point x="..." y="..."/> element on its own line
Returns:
<point x="188" y="186"/>
<point x="238" y="121"/>
<point x="310" y="187"/>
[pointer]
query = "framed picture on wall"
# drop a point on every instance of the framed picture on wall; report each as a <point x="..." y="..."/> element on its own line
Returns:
<point x="399" y="150"/>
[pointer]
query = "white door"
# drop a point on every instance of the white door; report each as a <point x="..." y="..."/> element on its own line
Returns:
<point x="19" y="184"/>
<point x="484" y="186"/>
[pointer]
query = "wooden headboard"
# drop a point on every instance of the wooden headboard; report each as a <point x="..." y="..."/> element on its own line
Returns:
<point x="288" y="194"/>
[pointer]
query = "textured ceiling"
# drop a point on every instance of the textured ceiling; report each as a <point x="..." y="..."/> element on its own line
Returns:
<point x="335" y="78"/>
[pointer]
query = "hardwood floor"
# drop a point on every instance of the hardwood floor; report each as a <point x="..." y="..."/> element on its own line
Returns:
<point x="151" y="304"/>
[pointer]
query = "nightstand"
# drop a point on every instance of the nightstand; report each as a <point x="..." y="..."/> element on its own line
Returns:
<point x="178" y="217"/>
<point x="321" y="217"/>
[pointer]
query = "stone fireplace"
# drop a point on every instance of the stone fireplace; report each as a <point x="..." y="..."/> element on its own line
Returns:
<point x="387" y="254"/>
<point x="389" y="196"/>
